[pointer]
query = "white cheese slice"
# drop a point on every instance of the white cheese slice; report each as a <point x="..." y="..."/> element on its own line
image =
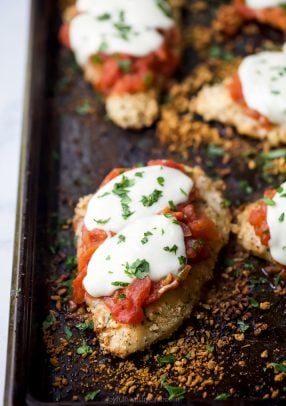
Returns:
<point x="276" y="220"/>
<point x="136" y="194"/>
<point x="155" y="242"/>
<point x="259" y="4"/>
<point x="263" y="80"/>
<point x="118" y="26"/>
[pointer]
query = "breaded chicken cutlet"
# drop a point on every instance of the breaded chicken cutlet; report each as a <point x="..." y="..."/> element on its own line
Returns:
<point x="143" y="267"/>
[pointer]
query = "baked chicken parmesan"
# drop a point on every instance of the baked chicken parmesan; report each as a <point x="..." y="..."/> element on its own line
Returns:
<point x="261" y="226"/>
<point x="127" y="50"/>
<point x="269" y="12"/>
<point x="147" y="242"/>
<point x="253" y="100"/>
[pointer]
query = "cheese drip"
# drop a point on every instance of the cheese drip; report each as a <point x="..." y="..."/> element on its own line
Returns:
<point x="156" y="243"/>
<point x="118" y="26"/>
<point x="276" y="220"/>
<point x="260" y="4"/>
<point x="263" y="80"/>
<point x="135" y="194"/>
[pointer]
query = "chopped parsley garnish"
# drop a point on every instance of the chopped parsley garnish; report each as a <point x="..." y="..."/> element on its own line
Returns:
<point x="92" y="395"/>
<point x="277" y="153"/>
<point x="172" y="205"/>
<point x="281" y="217"/>
<point x="84" y="108"/>
<point x="182" y="260"/>
<point x="215" y="151"/>
<point x="175" y="392"/>
<point x="182" y="191"/>
<point x="103" y="17"/>
<point x="162" y="231"/>
<point x="148" y="201"/>
<point x="122" y="28"/>
<point x="269" y="201"/>
<point x="279" y="367"/>
<point x="121" y="190"/>
<point x="122" y="284"/>
<point x="173" y="249"/>
<point x="216" y="51"/>
<point x="125" y="66"/>
<point x="68" y="333"/>
<point x="275" y="92"/>
<point x="84" y="348"/>
<point x="188" y="356"/>
<point x="102" y="221"/>
<point x="166" y="359"/>
<point x="242" y="326"/>
<point x="254" y="303"/>
<point x="85" y="326"/>
<point x="244" y="186"/>
<point x="175" y="221"/>
<point x="139" y="269"/>
<point x="103" y="195"/>
<point x="222" y="396"/>
<point x="121" y="238"/>
<point x="209" y="347"/>
<point x="50" y="320"/>
<point x="148" y="80"/>
<point x="161" y="180"/>
<point x="121" y="296"/>
<point x="145" y="238"/>
<point x="164" y="7"/>
<point x="168" y="215"/>
<point x="108" y="258"/>
<point x="103" y="46"/>
<point x="139" y="174"/>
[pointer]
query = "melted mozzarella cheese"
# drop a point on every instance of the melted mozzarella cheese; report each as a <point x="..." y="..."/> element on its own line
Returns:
<point x="263" y="80"/>
<point x="156" y="240"/>
<point x="259" y="4"/>
<point x="135" y="194"/>
<point x="276" y="220"/>
<point x="117" y="26"/>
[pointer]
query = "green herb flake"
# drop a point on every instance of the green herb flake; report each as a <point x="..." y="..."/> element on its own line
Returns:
<point x="103" y="47"/>
<point x="173" y="249"/>
<point x="121" y="284"/>
<point x="151" y="199"/>
<point x="182" y="260"/>
<point x="84" y="108"/>
<point x="172" y="205"/>
<point x="85" y="326"/>
<point x="279" y="367"/>
<point x="215" y="151"/>
<point x="145" y="238"/>
<point x="68" y="333"/>
<point x="125" y="65"/>
<point x="161" y="180"/>
<point x="50" y="320"/>
<point x="276" y="153"/>
<point x="139" y="269"/>
<point x="222" y="396"/>
<point x="269" y="201"/>
<point x="92" y="395"/>
<point x="108" y="258"/>
<point x="209" y="347"/>
<point x="139" y="174"/>
<point x="166" y="359"/>
<point x="84" y="349"/>
<point x="242" y="326"/>
<point x="121" y="296"/>
<point x="216" y="51"/>
<point x="103" y="17"/>
<point x="189" y="355"/>
<point x="121" y="238"/>
<point x="164" y="7"/>
<point x="281" y="217"/>
<point x="122" y="28"/>
<point x="103" y="195"/>
<point x="183" y="192"/>
<point x="175" y="392"/>
<point x="102" y="221"/>
<point x="254" y="303"/>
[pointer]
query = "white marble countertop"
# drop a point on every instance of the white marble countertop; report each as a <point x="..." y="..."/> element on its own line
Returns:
<point x="13" y="51"/>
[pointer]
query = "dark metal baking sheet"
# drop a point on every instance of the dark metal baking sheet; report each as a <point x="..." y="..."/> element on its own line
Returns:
<point x="64" y="156"/>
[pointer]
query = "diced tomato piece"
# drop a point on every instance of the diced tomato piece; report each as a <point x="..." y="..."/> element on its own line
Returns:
<point x="128" y="310"/>
<point x="203" y="228"/>
<point x="112" y="174"/>
<point x="64" y="36"/>
<point x="167" y="162"/>
<point x="78" y="289"/>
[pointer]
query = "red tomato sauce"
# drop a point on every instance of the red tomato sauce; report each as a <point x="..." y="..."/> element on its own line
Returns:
<point x="123" y="73"/>
<point x="236" y="93"/>
<point x="126" y="305"/>
<point x="258" y="218"/>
